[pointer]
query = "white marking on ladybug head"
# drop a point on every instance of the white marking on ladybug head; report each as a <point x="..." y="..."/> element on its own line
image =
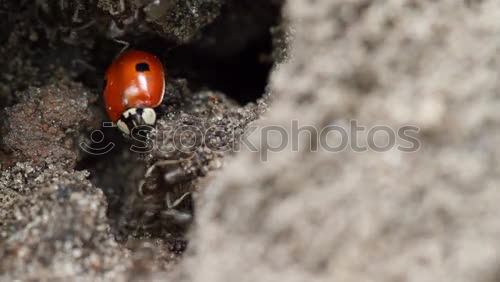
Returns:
<point x="123" y="127"/>
<point x="134" y="117"/>
<point x="129" y="112"/>
<point x="149" y="116"/>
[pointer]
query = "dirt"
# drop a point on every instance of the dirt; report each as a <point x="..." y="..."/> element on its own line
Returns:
<point x="245" y="213"/>
<point x="67" y="209"/>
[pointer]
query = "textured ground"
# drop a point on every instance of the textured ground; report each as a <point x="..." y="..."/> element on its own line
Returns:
<point x="430" y="215"/>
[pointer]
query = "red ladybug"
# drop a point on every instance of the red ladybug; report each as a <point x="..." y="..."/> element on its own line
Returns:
<point x="135" y="84"/>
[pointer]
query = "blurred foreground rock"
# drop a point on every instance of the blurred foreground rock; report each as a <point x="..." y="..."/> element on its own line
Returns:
<point x="430" y="215"/>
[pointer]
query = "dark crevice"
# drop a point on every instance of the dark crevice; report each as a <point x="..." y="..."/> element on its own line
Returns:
<point x="231" y="56"/>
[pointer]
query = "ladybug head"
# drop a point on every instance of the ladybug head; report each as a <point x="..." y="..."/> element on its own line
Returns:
<point x="134" y="117"/>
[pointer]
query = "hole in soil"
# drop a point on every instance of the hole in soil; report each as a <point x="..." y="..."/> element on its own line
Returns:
<point x="242" y="76"/>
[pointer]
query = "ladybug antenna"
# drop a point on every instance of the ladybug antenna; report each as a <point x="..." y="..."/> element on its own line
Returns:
<point x="122" y="42"/>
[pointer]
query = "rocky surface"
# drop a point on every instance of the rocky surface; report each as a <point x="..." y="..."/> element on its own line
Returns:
<point x="299" y="215"/>
<point x="54" y="224"/>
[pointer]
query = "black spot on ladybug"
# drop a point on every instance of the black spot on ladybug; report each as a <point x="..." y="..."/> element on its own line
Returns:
<point x="142" y="67"/>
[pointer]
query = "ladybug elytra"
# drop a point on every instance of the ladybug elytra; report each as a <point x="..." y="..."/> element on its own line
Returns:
<point x="135" y="84"/>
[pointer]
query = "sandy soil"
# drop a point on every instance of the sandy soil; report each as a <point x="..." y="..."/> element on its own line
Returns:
<point x="301" y="215"/>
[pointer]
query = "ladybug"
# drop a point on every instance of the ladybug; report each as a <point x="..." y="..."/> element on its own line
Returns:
<point x="134" y="86"/>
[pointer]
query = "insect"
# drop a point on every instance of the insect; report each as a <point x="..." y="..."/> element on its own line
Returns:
<point x="171" y="213"/>
<point x="134" y="86"/>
